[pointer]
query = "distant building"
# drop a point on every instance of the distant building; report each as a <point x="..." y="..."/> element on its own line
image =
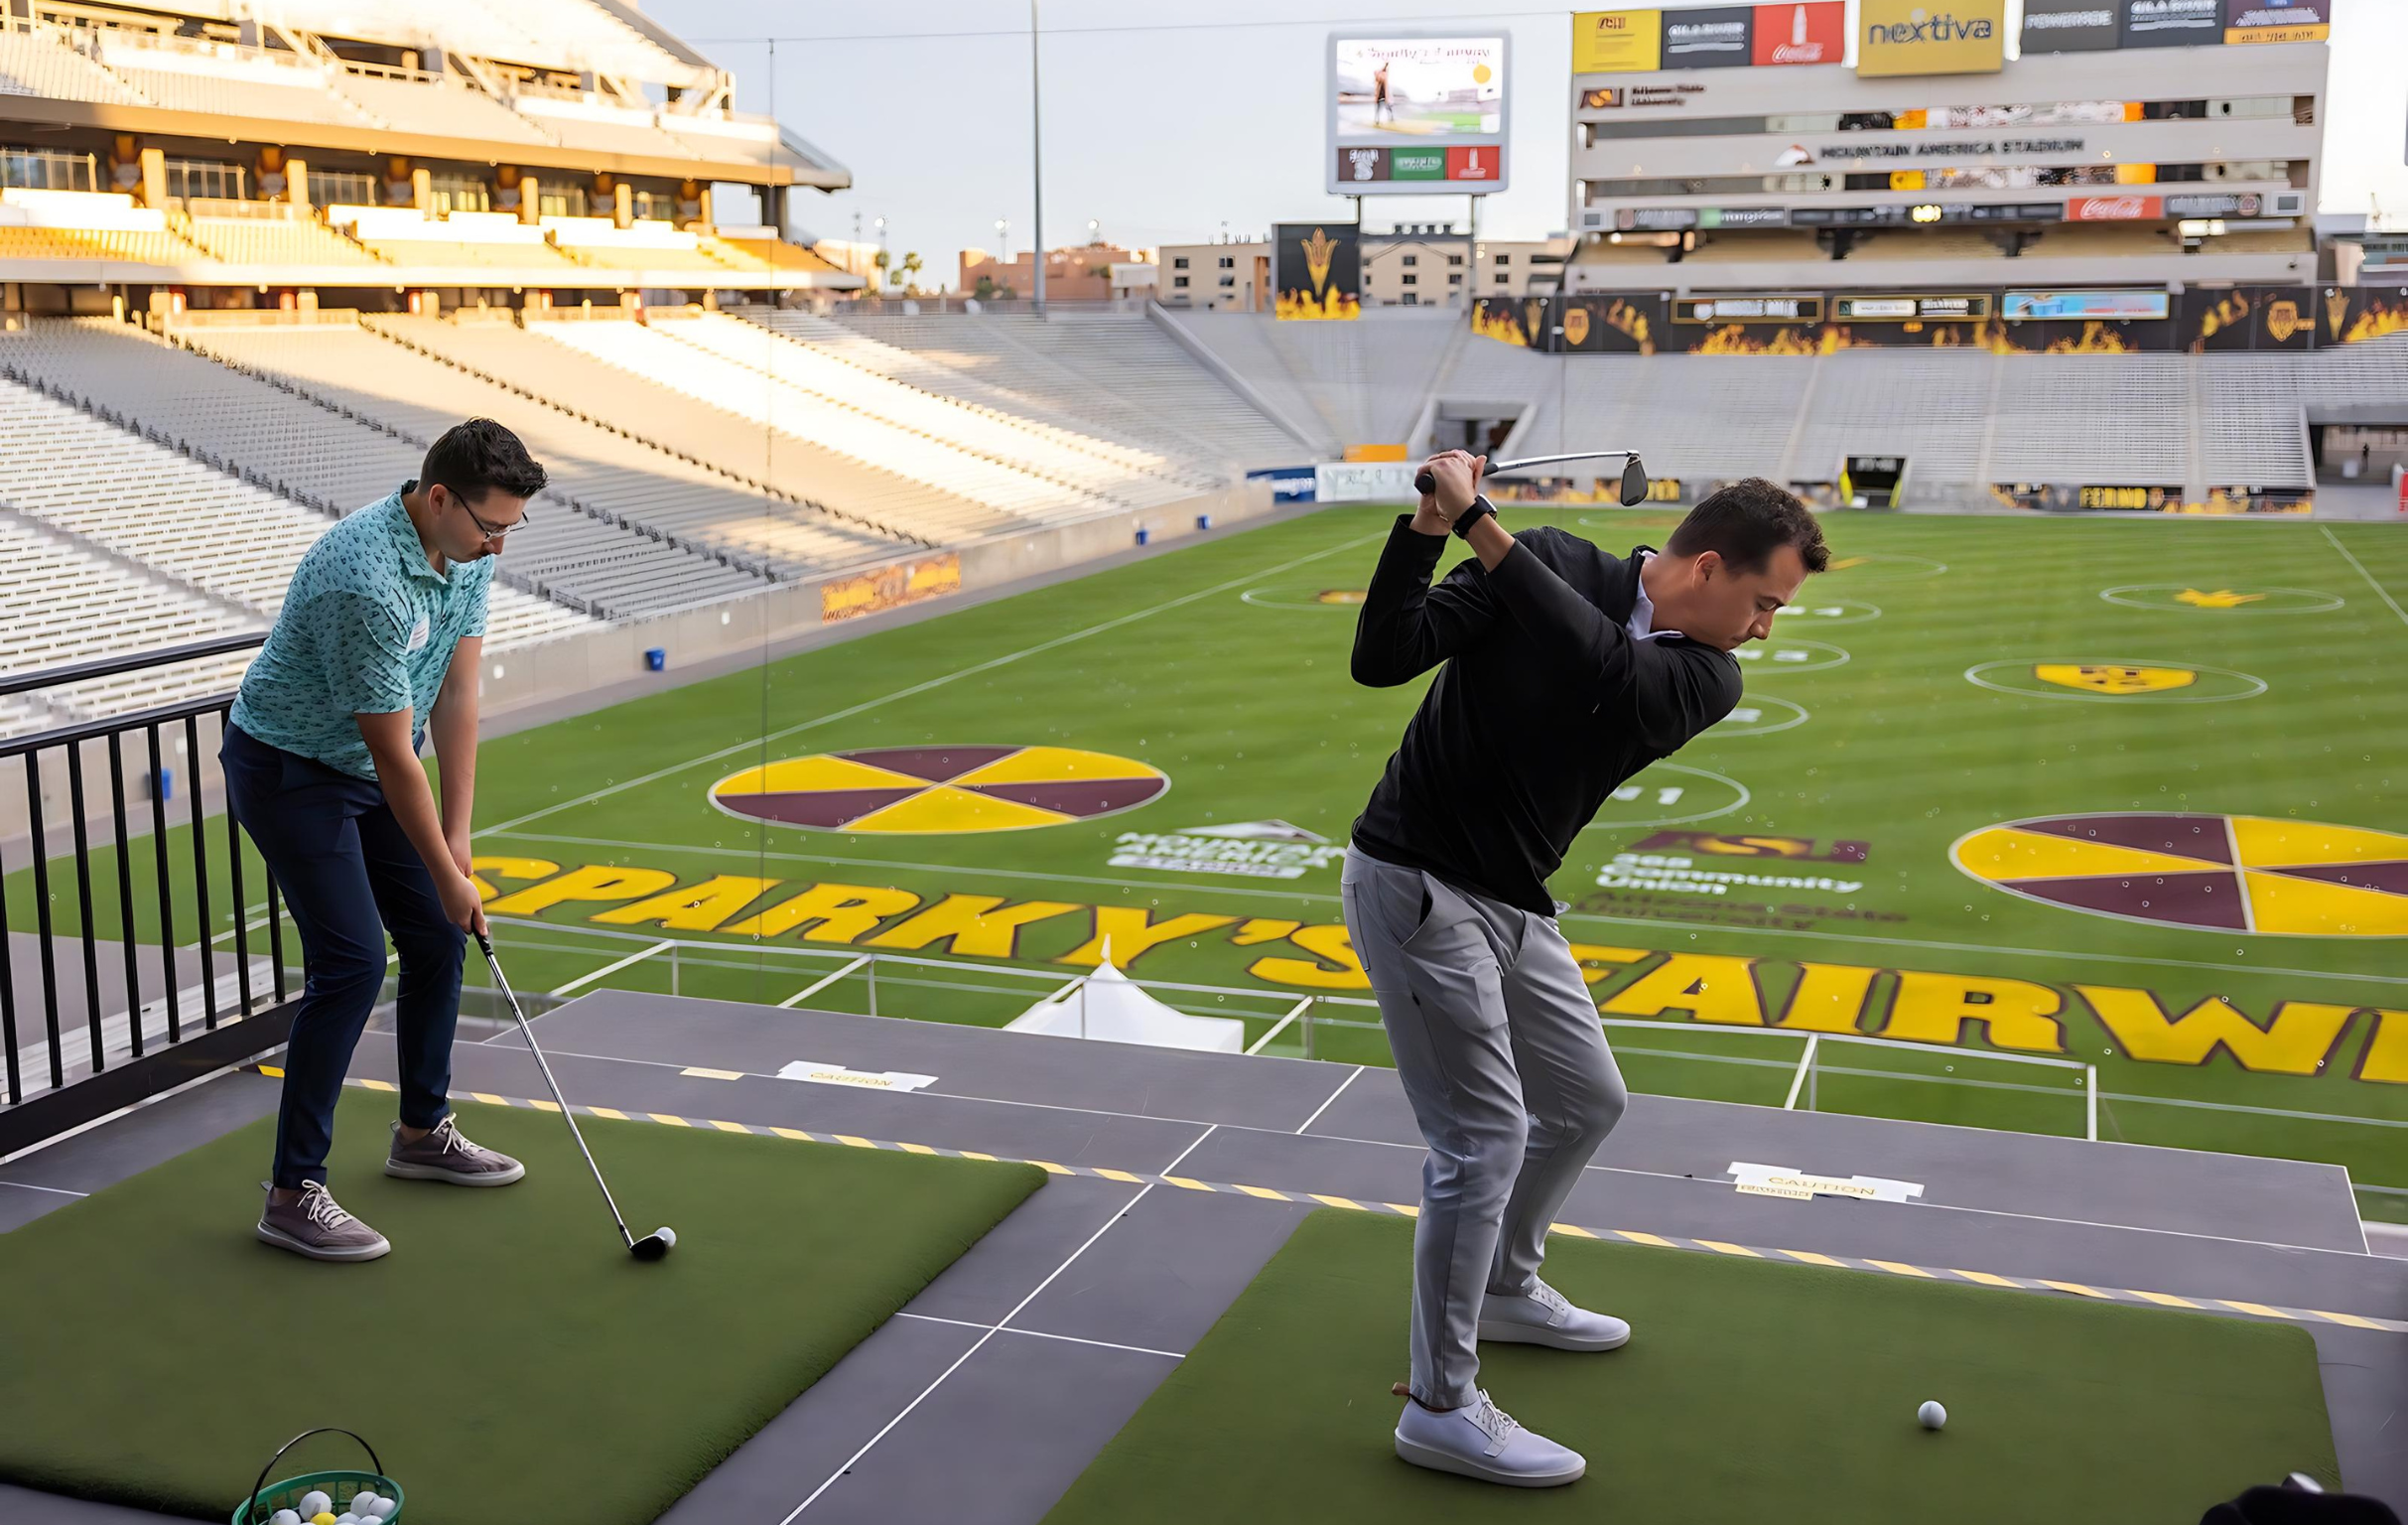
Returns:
<point x="1081" y="274"/>
<point x="1432" y="264"/>
<point x="1215" y="276"/>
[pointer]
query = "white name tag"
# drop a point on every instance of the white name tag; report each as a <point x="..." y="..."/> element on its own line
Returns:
<point x="420" y="632"/>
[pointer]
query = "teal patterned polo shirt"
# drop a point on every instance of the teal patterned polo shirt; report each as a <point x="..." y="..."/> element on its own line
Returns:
<point x="367" y="628"/>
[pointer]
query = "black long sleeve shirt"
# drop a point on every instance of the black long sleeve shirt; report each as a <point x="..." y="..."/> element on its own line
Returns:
<point x="1544" y="704"/>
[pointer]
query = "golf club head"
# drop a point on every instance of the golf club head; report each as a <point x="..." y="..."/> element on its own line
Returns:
<point x="654" y="1245"/>
<point x="1634" y="483"/>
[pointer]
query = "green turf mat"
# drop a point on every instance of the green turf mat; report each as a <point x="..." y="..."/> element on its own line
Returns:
<point x="1751" y="1391"/>
<point x="508" y="1360"/>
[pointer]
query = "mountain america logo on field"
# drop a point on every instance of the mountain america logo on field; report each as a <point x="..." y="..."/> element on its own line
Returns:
<point x="923" y="791"/>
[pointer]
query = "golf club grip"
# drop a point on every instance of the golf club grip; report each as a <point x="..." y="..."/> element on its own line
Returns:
<point x="1426" y="482"/>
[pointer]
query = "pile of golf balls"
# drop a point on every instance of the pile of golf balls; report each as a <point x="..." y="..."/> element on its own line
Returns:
<point x="365" y="1508"/>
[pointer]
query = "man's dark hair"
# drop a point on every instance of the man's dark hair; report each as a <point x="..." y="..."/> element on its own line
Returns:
<point x="1746" y="523"/>
<point x="481" y="457"/>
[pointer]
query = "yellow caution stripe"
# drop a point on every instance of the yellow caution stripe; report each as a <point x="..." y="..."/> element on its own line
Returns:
<point x="1892" y="1268"/>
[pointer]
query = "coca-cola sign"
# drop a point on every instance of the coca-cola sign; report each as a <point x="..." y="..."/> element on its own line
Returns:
<point x="2114" y="209"/>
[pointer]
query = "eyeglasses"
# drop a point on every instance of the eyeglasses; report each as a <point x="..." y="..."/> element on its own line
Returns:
<point x="490" y="531"/>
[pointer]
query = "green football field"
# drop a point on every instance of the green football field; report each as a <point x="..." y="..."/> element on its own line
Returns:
<point x="2026" y="801"/>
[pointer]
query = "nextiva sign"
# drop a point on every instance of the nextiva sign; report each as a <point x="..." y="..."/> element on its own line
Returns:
<point x="1932" y="37"/>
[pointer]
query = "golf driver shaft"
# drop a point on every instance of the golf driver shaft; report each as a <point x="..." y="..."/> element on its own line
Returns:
<point x="485" y="942"/>
<point x="1424" y="482"/>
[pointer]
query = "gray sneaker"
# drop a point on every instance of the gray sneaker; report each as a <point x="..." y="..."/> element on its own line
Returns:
<point x="445" y="1155"/>
<point x="315" y="1224"/>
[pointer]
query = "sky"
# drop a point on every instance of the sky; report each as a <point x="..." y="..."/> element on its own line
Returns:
<point x="1173" y="122"/>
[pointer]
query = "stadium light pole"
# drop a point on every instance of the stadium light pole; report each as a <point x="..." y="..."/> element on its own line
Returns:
<point x="1036" y="153"/>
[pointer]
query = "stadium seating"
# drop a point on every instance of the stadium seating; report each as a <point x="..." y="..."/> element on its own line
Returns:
<point x="447" y="107"/>
<point x="1928" y="405"/>
<point x="1242" y="343"/>
<point x="69" y="602"/>
<point x="1696" y="417"/>
<point x="35" y="60"/>
<point x="1116" y="371"/>
<point x="637" y="404"/>
<point x="832" y="426"/>
<point x="140" y="248"/>
<point x="481" y="241"/>
<point x="360" y="369"/>
<point x="597" y="127"/>
<point x="183" y="74"/>
<point x="1366" y="379"/>
<point x="765" y="253"/>
<point x="336" y="463"/>
<point x="280" y="240"/>
<point x="210" y="532"/>
<point x="2092" y="418"/>
<point x="1075" y="457"/>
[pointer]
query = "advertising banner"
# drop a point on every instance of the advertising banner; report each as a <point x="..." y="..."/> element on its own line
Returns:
<point x="1288" y="484"/>
<point x="1962" y="306"/>
<point x="1802" y="32"/>
<point x="1627" y="323"/>
<point x="1319" y="271"/>
<point x="1721" y="36"/>
<point x="1364" y="481"/>
<point x="2070" y="26"/>
<point x="2247" y="317"/>
<point x="2278" y="21"/>
<point x="2115" y="209"/>
<point x="2347" y="314"/>
<point x="1423" y="99"/>
<point x="891" y="586"/>
<point x="1617" y="41"/>
<point x="2019" y="306"/>
<point x="2173" y="23"/>
<point x="1930" y="37"/>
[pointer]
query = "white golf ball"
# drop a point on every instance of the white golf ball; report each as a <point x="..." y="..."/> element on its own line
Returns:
<point x="1932" y="1415"/>
<point x="346" y="1519"/>
<point x="314" y="1504"/>
<point x="284" y="1517"/>
<point x="360" y="1501"/>
<point x="382" y="1507"/>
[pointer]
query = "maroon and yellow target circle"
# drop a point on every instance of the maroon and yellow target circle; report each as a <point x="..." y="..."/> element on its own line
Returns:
<point x="2213" y="872"/>
<point x="932" y="790"/>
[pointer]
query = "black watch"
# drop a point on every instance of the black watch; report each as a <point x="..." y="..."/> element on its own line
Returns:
<point x="1480" y="509"/>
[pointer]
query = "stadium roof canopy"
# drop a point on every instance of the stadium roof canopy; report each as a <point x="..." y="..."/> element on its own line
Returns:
<point x="600" y="37"/>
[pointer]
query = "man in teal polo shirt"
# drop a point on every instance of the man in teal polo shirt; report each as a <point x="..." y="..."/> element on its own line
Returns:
<point x="376" y="645"/>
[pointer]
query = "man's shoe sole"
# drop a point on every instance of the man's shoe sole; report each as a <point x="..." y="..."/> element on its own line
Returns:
<point x="284" y="1241"/>
<point x="406" y="1170"/>
<point x="1447" y="1462"/>
<point x="1525" y="1334"/>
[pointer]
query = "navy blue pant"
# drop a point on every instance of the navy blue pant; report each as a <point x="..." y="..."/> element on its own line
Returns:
<point x="350" y="877"/>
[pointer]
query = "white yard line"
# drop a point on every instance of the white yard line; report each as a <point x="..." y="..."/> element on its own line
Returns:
<point x="1105" y="1344"/>
<point x="2380" y="591"/>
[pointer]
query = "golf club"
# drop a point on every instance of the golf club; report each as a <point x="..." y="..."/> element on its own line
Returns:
<point x="1634" y="475"/>
<point x="651" y="1246"/>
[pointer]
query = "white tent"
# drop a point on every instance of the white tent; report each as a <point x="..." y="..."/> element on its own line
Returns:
<point x="1110" y="1006"/>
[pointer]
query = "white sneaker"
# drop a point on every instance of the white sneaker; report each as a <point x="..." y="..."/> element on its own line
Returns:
<point x="1544" y="1317"/>
<point x="1480" y="1440"/>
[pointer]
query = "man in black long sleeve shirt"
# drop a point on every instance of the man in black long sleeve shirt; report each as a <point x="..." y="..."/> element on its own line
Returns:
<point x="1566" y="672"/>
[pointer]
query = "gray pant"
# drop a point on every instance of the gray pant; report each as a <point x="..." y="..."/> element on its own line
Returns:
<point x="1506" y="1065"/>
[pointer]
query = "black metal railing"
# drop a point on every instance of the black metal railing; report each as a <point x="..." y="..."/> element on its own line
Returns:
<point x="179" y="1036"/>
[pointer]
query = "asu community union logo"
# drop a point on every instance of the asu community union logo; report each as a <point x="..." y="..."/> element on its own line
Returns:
<point x="2216" y="873"/>
<point x="928" y="791"/>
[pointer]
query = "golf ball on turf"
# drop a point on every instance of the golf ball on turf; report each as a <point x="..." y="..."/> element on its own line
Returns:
<point x="314" y="1503"/>
<point x="1932" y="1415"/>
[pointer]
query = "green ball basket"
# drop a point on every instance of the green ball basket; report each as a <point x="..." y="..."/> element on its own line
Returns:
<point x="340" y="1486"/>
